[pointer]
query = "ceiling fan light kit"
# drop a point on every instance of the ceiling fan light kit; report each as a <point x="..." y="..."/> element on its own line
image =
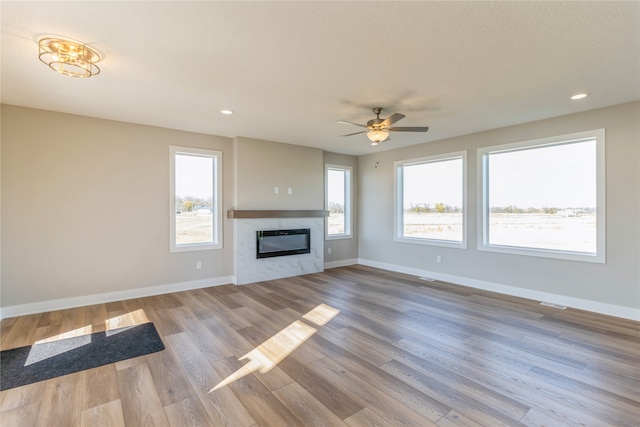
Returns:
<point x="68" y="57"/>
<point x="377" y="136"/>
<point x="378" y="129"/>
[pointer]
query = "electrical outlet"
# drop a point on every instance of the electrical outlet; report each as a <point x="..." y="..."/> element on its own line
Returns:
<point x="276" y="190"/>
<point x="438" y="259"/>
<point x="329" y="251"/>
<point x="290" y="190"/>
<point x="198" y="265"/>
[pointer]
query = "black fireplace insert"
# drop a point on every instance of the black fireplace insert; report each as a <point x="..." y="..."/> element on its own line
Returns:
<point x="273" y="243"/>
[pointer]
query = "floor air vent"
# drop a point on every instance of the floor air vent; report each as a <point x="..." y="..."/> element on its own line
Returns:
<point x="552" y="305"/>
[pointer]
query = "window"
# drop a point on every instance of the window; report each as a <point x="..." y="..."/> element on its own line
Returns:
<point x="544" y="197"/>
<point x="338" y="201"/>
<point x="431" y="200"/>
<point x="195" y="199"/>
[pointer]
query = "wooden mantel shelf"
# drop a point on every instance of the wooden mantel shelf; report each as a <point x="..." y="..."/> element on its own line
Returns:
<point x="243" y="214"/>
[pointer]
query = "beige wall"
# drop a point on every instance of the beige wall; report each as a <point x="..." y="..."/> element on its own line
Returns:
<point x="616" y="283"/>
<point x="261" y="166"/>
<point x="344" y="249"/>
<point x="85" y="207"/>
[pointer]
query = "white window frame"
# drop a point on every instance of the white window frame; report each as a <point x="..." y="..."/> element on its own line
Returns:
<point x="483" y="198"/>
<point x="217" y="199"/>
<point x="348" y="201"/>
<point x="399" y="202"/>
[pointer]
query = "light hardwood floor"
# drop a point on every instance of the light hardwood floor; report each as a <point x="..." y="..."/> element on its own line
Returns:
<point x="351" y="346"/>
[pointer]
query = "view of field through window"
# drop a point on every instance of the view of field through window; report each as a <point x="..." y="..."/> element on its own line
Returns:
<point x="540" y="197"/>
<point x="543" y="197"/>
<point x="336" y="200"/>
<point x="432" y="200"/>
<point x="194" y="199"/>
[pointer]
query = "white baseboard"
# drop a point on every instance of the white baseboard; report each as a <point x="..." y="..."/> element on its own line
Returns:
<point x="581" y="304"/>
<point x="64" y="303"/>
<point x="341" y="263"/>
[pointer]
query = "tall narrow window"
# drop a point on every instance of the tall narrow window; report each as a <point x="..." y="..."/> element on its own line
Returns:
<point x="195" y="199"/>
<point x="338" y="201"/>
<point x="431" y="199"/>
<point x="544" y="197"/>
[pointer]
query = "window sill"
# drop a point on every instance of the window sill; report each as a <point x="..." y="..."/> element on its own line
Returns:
<point x="431" y="242"/>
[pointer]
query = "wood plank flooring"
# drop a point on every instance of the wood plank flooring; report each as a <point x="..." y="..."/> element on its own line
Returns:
<point x="353" y="346"/>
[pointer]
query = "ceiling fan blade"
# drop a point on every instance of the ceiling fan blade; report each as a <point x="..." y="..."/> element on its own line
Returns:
<point x="355" y="133"/>
<point x="351" y="123"/>
<point x="392" y="119"/>
<point x="409" y="129"/>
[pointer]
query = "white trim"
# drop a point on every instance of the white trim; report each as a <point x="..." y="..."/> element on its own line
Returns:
<point x="64" y="303"/>
<point x="348" y="201"/>
<point x="578" y="303"/>
<point x="216" y="156"/>
<point x="340" y="263"/>
<point x="398" y="212"/>
<point x="483" y="206"/>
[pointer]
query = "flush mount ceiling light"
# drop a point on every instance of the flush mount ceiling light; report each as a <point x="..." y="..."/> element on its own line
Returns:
<point x="69" y="57"/>
<point x="579" y="96"/>
<point x="377" y="136"/>
<point x="226" y="112"/>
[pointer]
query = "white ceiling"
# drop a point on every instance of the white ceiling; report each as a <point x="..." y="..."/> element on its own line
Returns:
<point x="290" y="70"/>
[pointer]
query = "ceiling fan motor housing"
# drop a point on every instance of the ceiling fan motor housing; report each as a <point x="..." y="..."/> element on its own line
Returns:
<point x="375" y="123"/>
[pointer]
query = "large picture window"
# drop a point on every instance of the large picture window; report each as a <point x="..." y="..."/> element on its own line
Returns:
<point x="431" y="200"/>
<point x="338" y="201"/>
<point x="544" y="197"/>
<point x="195" y="209"/>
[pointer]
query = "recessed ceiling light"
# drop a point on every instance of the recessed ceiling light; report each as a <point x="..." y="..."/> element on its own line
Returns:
<point x="226" y="112"/>
<point x="579" y="96"/>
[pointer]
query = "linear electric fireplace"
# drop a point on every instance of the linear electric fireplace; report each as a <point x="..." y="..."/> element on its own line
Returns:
<point x="273" y="243"/>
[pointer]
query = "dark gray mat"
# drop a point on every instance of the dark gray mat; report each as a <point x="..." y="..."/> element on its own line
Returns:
<point x="38" y="362"/>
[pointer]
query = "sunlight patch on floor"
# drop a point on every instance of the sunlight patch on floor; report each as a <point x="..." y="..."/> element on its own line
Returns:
<point x="58" y="344"/>
<point x="85" y="330"/>
<point x="321" y="314"/>
<point x="125" y="321"/>
<point x="268" y="354"/>
<point x="62" y="343"/>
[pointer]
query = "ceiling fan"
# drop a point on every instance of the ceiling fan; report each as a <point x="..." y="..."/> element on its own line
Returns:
<point x="378" y="129"/>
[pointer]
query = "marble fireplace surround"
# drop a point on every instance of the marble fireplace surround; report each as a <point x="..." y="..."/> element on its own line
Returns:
<point x="249" y="269"/>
